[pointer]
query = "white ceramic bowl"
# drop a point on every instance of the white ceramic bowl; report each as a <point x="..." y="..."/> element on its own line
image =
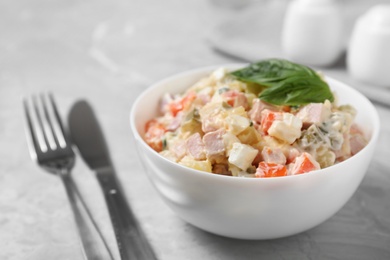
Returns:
<point x="249" y="208"/>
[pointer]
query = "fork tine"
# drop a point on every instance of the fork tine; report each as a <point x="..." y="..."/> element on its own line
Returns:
<point x="31" y="129"/>
<point x="49" y="121"/>
<point x="41" y="124"/>
<point x="61" y="134"/>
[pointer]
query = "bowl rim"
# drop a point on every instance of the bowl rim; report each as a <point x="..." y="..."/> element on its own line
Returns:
<point x="374" y="134"/>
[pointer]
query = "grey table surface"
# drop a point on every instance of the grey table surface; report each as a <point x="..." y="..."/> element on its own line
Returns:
<point x="108" y="52"/>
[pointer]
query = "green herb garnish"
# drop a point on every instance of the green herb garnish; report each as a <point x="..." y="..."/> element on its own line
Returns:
<point x="222" y="90"/>
<point x="164" y="143"/>
<point x="282" y="82"/>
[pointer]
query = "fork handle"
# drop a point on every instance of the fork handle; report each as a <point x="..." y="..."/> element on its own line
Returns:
<point x="94" y="245"/>
<point x="131" y="240"/>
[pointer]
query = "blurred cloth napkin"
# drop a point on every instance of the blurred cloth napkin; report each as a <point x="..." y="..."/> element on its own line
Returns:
<point x="254" y="33"/>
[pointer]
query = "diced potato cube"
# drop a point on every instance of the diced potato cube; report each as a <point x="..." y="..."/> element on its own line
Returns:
<point x="210" y="109"/>
<point x="197" y="165"/>
<point x="240" y="111"/>
<point x="237" y="85"/>
<point x="236" y="124"/>
<point x="217" y="98"/>
<point x="242" y="155"/>
<point x="219" y="74"/>
<point x="287" y="129"/>
<point x="229" y="139"/>
<point x="169" y="155"/>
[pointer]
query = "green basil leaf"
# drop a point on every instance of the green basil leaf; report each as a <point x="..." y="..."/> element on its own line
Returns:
<point x="267" y="72"/>
<point x="282" y="82"/>
<point x="296" y="91"/>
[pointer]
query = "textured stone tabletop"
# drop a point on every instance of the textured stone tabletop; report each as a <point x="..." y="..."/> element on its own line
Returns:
<point x="108" y="52"/>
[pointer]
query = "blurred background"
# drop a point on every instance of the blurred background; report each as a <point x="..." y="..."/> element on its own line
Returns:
<point x="109" y="52"/>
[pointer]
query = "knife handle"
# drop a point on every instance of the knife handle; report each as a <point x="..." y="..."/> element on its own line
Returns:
<point x="94" y="244"/>
<point x="132" y="242"/>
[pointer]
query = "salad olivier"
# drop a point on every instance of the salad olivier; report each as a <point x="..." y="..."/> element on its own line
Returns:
<point x="272" y="118"/>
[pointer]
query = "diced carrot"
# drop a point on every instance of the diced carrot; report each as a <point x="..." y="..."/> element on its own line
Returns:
<point x="305" y="163"/>
<point x="175" y="107"/>
<point x="178" y="105"/>
<point x="154" y="132"/>
<point x="187" y="100"/>
<point x="266" y="170"/>
<point x="230" y="96"/>
<point x="267" y="118"/>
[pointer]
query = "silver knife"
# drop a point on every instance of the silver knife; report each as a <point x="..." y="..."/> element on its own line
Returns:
<point x="88" y="137"/>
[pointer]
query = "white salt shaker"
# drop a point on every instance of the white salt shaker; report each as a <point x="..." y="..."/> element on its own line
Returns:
<point x="313" y="32"/>
<point x="368" y="55"/>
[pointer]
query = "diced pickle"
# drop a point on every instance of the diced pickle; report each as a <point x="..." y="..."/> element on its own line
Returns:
<point x="348" y="109"/>
<point x="192" y="126"/>
<point x="192" y="123"/>
<point x="315" y="136"/>
<point x="312" y="137"/>
<point x="325" y="157"/>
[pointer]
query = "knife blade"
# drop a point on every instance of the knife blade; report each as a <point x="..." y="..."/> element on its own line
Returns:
<point x="88" y="137"/>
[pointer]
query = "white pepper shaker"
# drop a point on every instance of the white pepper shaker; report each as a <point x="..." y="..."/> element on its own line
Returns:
<point x="368" y="56"/>
<point x="313" y="32"/>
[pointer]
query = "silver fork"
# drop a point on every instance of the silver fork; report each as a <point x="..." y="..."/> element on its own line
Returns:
<point x="51" y="148"/>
